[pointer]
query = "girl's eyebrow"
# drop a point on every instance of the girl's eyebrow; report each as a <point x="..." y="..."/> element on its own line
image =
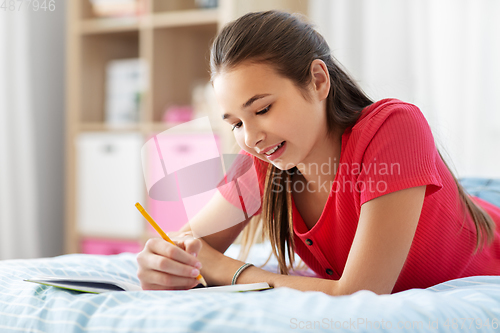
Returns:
<point x="247" y="104"/>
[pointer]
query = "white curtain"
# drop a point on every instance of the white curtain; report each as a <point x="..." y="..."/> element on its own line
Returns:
<point x="18" y="204"/>
<point x="442" y="55"/>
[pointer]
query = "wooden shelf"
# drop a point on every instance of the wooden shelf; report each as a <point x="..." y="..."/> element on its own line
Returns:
<point x="184" y="18"/>
<point x="144" y="127"/>
<point x="99" y="127"/>
<point x="173" y="38"/>
<point x="107" y="25"/>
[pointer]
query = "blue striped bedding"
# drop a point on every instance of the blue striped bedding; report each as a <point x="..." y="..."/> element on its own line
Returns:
<point x="463" y="305"/>
<point x="468" y="305"/>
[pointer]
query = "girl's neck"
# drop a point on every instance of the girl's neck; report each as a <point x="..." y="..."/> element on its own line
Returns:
<point x="319" y="171"/>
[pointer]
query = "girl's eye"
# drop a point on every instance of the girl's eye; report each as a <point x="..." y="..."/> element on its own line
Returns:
<point x="263" y="111"/>
<point x="238" y="125"/>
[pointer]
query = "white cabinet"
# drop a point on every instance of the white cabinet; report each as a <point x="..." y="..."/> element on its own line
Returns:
<point x="109" y="183"/>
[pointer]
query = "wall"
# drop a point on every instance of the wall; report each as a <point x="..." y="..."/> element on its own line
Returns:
<point x="47" y="61"/>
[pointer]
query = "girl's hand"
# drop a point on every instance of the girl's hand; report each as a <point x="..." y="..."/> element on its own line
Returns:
<point x="163" y="266"/>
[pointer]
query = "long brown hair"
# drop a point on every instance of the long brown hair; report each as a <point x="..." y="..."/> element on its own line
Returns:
<point x="290" y="44"/>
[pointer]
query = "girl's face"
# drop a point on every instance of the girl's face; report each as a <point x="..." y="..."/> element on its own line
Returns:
<point x="266" y="110"/>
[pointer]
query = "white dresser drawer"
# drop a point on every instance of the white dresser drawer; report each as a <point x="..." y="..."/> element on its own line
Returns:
<point x="109" y="182"/>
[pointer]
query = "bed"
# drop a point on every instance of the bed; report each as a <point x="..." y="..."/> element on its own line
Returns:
<point x="470" y="304"/>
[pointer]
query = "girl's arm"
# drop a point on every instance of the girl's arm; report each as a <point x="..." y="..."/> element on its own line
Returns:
<point x="382" y="241"/>
<point x="216" y="214"/>
<point x="383" y="238"/>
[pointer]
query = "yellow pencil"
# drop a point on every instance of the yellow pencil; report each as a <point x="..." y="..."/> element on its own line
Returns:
<point x="163" y="234"/>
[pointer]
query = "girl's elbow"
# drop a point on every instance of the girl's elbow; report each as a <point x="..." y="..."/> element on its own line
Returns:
<point x="342" y="288"/>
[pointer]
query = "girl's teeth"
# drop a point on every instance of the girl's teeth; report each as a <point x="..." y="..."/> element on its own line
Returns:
<point x="273" y="150"/>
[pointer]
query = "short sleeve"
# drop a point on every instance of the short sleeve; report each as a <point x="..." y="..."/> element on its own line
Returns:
<point x="399" y="153"/>
<point x="249" y="173"/>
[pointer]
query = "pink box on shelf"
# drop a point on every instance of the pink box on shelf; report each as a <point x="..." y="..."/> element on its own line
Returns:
<point x="178" y="114"/>
<point x="179" y="151"/>
<point x="108" y="247"/>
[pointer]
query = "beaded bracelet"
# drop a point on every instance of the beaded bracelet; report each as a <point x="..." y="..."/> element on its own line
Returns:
<point x="238" y="272"/>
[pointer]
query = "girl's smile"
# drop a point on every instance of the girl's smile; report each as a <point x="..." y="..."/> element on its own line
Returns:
<point x="273" y="153"/>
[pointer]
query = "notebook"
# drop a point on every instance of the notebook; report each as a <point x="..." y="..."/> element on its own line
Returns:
<point x="102" y="285"/>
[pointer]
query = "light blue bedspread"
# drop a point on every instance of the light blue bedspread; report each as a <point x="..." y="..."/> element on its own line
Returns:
<point x="467" y="305"/>
<point x="462" y="305"/>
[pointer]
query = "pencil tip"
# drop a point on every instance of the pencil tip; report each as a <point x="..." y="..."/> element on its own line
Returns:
<point x="203" y="282"/>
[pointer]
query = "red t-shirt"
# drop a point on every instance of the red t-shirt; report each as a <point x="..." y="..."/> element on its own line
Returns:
<point x="391" y="148"/>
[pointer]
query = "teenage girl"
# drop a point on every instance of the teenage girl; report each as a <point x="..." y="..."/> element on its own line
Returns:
<point x="366" y="201"/>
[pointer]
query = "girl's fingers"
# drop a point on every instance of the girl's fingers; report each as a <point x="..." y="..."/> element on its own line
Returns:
<point x="164" y="266"/>
<point x="179" y="237"/>
<point x="170" y="266"/>
<point x="165" y="249"/>
<point x="183" y="239"/>
<point x="161" y="281"/>
<point x="188" y="243"/>
<point x="193" y="246"/>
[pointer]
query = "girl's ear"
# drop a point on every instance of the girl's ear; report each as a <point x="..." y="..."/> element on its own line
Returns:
<point x="320" y="79"/>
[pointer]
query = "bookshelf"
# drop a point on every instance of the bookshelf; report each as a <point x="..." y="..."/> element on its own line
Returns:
<point x="173" y="38"/>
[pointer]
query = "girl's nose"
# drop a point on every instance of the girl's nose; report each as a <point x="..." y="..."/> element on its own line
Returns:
<point x="253" y="137"/>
